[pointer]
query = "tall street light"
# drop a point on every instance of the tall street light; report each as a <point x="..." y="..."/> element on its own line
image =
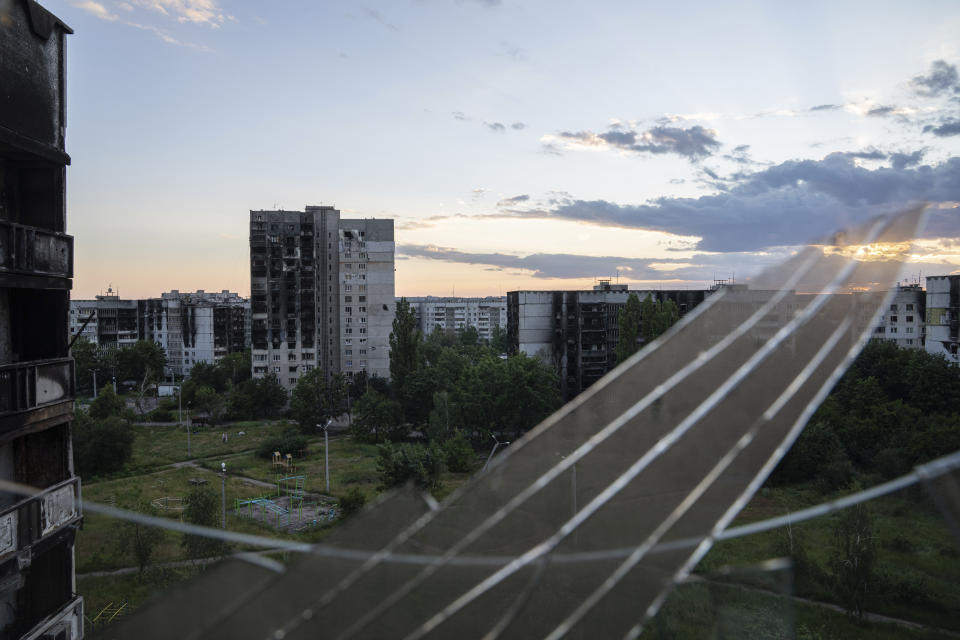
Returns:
<point x="326" y="452"/>
<point x="223" y="494"/>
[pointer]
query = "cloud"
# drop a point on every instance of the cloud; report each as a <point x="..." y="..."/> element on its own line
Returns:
<point x="882" y="110"/>
<point x="943" y="79"/>
<point x="459" y="115"/>
<point x="570" y="266"/>
<point x="826" y="107"/>
<point x="787" y="204"/>
<point x="193" y="11"/>
<point x="515" y="200"/>
<point x="870" y="153"/>
<point x="97" y="9"/>
<point x="518" y="126"/>
<point x="692" y="143"/>
<point x="903" y="160"/>
<point x="945" y="129"/>
<point x="495" y="126"/>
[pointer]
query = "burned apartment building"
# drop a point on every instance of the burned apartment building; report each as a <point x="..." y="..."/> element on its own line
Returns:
<point x="191" y="327"/>
<point x="321" y="292"/>
<point x="578" y="330"/>
<point x="37" y="584"/>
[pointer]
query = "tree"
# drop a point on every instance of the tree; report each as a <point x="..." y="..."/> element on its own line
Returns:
<point x="853" y="558"/>
<point x="107" y="404"/>
<point x="268" y="397"/>
<point x="648" y="313"/>
<point x="102" y="445"/>
<point x="143" y="362"/>
<point x="315" y="399"/>
<point x="499" y="341"/>
<point x="376" y="417"/>
<point x="207" y="400"/>
<point x="398" y="464"/>
<point x="236" y="366"/>
<point x="86" y="355"/>
<point x="139" y="539"/>
<point x="406" y="354"/>
<point x="629" y="328"/>
<point x="202" y="508"/>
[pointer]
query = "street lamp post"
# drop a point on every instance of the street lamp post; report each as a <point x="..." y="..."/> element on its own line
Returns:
<point x="496" y="443"/>
<point x="326" y="452"/>
<point x="223" y="494"/>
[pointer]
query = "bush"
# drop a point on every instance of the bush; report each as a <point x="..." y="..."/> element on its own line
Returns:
<point x="101" y="446"/>
<point x="352" y="502"/>
<point x="290" y="441"/>
<point x="400" y="464"/>
<point x="458" y="453"/>
<point x="161" y="415"/>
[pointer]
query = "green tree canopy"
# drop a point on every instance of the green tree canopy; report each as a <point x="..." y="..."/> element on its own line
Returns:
<point x="315" y="399"/>
<point x="107" y="404"/>
<point x="406" y="355"/>
<point x="628" y="323"/>
<point x="101" y="446"/>
<point x="142" y="362"/>
<point x="376" y="417"/>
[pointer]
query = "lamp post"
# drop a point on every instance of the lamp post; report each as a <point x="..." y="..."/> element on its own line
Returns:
<point x="496" y="443"/>
<point x="326" y="452"/>
<point x="223" y="494"/>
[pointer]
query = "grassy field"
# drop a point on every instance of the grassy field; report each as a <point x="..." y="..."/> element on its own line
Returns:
<point x="918" y="569"/>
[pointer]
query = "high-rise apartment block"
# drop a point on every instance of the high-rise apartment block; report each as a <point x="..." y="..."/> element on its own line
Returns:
<point x="108" y="320"/>
<point x="38" y="594"/>
<point x="902" y="322"/>
<point x="578" y="331"/>
<point x="943" y="317"/>
<point x="321" y="292"/>
<point x="457" y="314"/>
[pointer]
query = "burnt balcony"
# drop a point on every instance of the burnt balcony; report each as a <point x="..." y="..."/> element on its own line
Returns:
<point x="35" y="256"/>
<point x="38" y="390"/>
<point x="66" y="623"/>
<point x="31" y="520"/>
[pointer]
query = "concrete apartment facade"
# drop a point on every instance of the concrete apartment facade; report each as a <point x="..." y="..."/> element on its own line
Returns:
<point x="578" y="330"/>
<point x="322" y="293"/>
<point x="191" y="327"/>
<point x="943" y="317"/>
<point x="456" y="314"/>
<point x="902" y="321"/>
<point x="38" y="590"/>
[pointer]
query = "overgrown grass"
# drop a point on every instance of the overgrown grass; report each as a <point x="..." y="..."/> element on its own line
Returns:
<point x="917" y="574"/>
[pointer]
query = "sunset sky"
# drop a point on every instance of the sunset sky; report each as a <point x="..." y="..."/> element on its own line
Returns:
<point x="518" y="145"/>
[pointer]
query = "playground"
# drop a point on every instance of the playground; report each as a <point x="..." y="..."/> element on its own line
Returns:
<point x="289" y="508"/>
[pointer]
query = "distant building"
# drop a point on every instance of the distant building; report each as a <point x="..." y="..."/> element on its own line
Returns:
<point x="38" y="591"/>
<point x="195" y="327"/>
<point x="191" y="327"/>
<point x="903" y="320"/>
<point x="578" y="330"/>
<point x="457" y="314"/>
<point x="943" y="316"/>
<point x="113" y="321"/>
<point x="321" y="293"/>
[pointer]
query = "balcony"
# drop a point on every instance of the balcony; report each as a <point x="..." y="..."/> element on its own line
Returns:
<point x="44" y="257"/>
<point x="29" y="521"/>
<point x="42" y="389"/>
<point x="66" y="623"/>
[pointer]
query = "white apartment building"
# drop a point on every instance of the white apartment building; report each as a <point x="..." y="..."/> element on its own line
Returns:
<point x="943" y="316"/>
<point x="456" y="314"/>
<point x="321" y="293"/>
<point x="902" y="321"/>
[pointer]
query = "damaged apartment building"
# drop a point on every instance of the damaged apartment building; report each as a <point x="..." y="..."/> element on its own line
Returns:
<point x="321" y="290"/>
<point x="191" y="327"/>
<point x="37" y="532"/>
<point x="578" y="330"/>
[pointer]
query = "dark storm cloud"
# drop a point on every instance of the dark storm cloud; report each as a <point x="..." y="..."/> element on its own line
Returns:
<point x="943" y="79"/>
<point x="693" y="143"/>
<point x="786" y="204"/>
